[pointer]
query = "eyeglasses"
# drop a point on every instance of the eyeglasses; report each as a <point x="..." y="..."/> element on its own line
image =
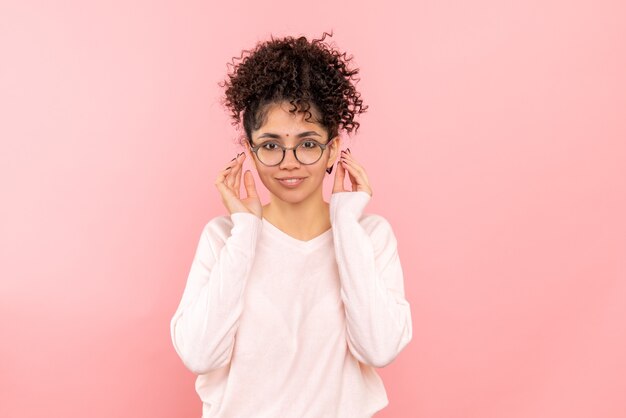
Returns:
<point x="272" y="153"/>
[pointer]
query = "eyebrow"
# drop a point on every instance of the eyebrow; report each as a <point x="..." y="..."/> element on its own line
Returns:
<point x="276" y="136"/>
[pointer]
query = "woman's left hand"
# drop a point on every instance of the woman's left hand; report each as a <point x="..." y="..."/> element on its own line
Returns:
<point x="357" y="175"/>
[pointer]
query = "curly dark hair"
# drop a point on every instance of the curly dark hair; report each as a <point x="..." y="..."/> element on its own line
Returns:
<point x="312" y="76"/>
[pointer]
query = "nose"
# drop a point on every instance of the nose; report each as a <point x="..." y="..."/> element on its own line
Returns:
<point x="290" y="160"/>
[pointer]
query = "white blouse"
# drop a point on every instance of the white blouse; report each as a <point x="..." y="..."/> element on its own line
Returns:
<point x="277" y="327"/>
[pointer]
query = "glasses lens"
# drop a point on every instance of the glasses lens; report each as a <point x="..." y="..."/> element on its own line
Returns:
<point x="307" y="153"/>
<point x="270" y="154"/>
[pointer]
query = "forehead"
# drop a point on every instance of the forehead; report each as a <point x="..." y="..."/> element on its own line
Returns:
<point x="280" y="121"/>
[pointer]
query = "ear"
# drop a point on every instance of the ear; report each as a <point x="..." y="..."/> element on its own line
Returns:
<point x="247" y="147"/>
<point x="248" y="150"/>
<point x="335" y="146"/>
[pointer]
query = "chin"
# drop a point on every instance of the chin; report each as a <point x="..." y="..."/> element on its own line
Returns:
<point x="293" y="196"/>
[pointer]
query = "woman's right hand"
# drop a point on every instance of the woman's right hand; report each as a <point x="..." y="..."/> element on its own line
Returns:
<point x="228" y="183"/>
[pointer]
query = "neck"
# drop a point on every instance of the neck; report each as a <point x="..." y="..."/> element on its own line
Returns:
<point x="306" y="218"/>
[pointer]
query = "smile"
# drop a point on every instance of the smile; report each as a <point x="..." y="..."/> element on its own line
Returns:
<point x="291" y="182"/>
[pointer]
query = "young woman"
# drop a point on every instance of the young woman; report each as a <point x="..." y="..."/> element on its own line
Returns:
<point x="290" y="306"/>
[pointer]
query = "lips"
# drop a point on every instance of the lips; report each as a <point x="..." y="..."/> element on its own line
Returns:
<point x="291" y="181"/>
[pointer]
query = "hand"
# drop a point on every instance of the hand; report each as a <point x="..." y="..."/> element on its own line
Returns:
<point x="228" y="184"/>
<point x="357" y="175"/>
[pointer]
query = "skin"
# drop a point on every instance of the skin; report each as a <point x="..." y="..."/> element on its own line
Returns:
<point x="301" y="212"/>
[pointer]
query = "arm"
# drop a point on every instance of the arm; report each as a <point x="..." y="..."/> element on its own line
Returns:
<point x="378" y="317"/>
<point x="204" y="325"/>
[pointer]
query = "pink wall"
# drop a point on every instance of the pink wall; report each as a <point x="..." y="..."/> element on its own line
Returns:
<point x="495" y="145"/>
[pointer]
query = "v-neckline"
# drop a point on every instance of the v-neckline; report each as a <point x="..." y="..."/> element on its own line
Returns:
<point x="273" y="229"/>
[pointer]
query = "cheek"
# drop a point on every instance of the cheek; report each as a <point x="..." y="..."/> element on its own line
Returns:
<point x="266" y="174"/>
<point x="320" y="167"/>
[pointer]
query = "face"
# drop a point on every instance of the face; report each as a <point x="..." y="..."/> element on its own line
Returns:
<point x="285" y="129"/>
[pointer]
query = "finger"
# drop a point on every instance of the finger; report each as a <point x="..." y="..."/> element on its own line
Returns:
<point x="224" y="171"/>
<point x="224" y="190"/>
<point x="222" y="175"/>
<point x="238" y="175"/>
<point x="230" y="164"/>
<point x="340" y="175"/>
<point x="353" y="174"/>
<point x="221" y="181"/>
<point x="358" y="168"/>
<point x="250" y="186"/>
<point x="230" y="180"/>
<point x="354" y="163"/>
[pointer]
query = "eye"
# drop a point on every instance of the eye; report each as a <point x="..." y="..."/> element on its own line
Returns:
<point x="309" y="144"/>
<point x="270" y="146"/>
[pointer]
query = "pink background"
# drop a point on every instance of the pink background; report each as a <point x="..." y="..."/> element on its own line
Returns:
<point x="495" y="145"/>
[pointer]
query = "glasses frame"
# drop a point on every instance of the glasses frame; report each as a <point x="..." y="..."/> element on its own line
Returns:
<point x="255" y="149"/>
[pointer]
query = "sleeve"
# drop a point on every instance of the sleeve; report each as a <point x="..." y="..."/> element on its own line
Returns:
<point x="378" y="317"/>
<point x="204" y="325"/>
